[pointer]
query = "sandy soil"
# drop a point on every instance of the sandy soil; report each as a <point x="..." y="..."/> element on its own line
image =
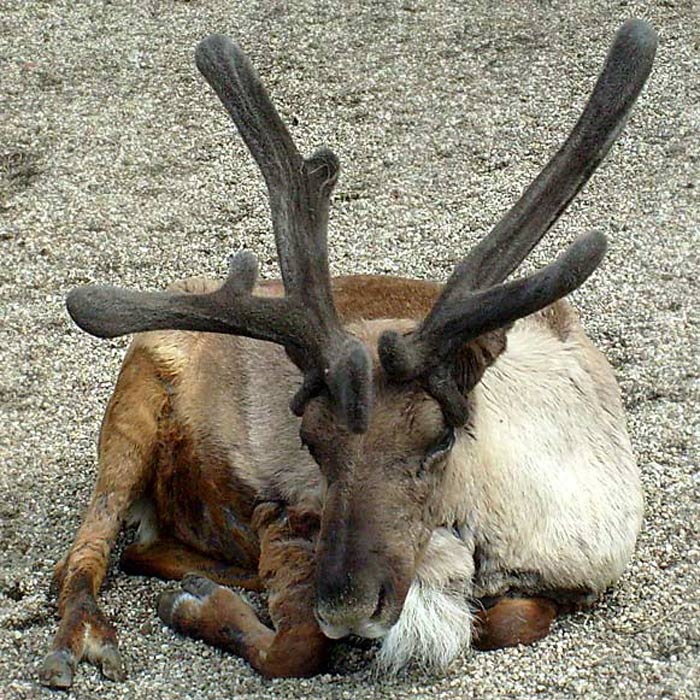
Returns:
<point x="118" y="165"/>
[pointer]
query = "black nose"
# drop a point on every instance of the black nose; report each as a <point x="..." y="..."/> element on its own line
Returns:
<point x="342" y="578"/>
<point x="353" y="575"/>
<point x="353" y="599"/>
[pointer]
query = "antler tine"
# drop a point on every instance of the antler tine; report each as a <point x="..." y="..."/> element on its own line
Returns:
<point x="299" y="189"/>
<point x="626" y="69"/>
<point x="428" y="351"/>
<point x="108" y="312"/>
<point x="460" y="320"/>
<point x="501" y="305"/>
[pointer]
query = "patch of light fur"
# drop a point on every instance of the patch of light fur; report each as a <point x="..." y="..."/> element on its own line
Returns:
<point x="434" y="627"/>
<point x="93" y="645"/>
<point x="142" y="513"/>
<point x="181" y="598"/>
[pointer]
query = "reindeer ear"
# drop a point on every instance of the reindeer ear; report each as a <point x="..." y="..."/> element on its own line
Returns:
<point x="449" y="384"/>
<point x="476" y="357"/>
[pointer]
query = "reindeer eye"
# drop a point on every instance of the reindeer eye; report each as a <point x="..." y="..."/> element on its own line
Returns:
<point x="439" y="449"/>
<point x="447" y="440"/>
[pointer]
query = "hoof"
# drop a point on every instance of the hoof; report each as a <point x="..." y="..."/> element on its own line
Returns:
<point x="111" y="664"/>
<point x="168" y="602"/>
<point x="194" y="589"/>
<point x="198" y="586"/>
<point x="57" y="669"/>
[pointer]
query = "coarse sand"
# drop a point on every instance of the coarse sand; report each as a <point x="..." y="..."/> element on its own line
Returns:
<point x="118" y="165"/>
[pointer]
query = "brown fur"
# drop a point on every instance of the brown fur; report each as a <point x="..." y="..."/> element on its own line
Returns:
<point x="127" y="446"/>
<point x="217" y="615"/>
<point x="513" y="621"/>
<point x="171" y="560"/>
<point x="142" y="451"/>
<point x="199" y="501"/>
<point x="373" y="297"/>
<point x="560" y="318"/>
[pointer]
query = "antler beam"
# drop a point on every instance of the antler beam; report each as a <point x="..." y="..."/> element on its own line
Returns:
<point x="305" y="322"/>
<point x="626" y="69"/>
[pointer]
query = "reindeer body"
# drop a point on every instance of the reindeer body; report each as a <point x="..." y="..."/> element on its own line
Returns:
<point x="543" y="493"/>
<point x="465" y="444"/>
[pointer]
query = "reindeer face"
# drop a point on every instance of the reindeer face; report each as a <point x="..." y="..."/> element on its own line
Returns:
<point x="384" y="487"/>
<point x="377" y="515"/>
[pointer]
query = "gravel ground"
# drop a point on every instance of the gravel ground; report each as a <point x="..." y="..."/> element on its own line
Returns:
<point x="117" y="164"/>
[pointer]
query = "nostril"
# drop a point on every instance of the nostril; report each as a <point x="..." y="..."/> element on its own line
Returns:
<point x="330" y="629"/>
<point x="381" y="603"/>
<point x="320" y="617"/>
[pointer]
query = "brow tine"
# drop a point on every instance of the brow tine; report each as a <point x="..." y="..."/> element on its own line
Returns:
<point x="625" y="71"/>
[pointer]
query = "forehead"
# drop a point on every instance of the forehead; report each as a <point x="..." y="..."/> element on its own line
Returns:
<point x="401" y="412"/>
<point x="405" y="414"/>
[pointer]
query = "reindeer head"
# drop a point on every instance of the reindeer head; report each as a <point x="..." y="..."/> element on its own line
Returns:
<point x="382" y="402"/>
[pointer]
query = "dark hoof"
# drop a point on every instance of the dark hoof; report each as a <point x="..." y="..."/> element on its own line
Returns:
<point x="57" y="669"/>
<point x="111" y="664"/>
<point x="167" y="603"/>
<point x="197" y="585"/>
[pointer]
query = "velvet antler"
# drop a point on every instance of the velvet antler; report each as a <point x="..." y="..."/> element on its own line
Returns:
<point x="305" y="321"/>
<point x="474" y="300"/>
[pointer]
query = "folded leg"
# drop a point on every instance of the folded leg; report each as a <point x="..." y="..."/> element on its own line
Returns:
<point x="513" y="621"/>
<point x="296" y="646"/>
<point x="172" y="560"/>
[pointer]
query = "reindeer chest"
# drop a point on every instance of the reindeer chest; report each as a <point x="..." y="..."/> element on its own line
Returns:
<point x="198" y="493"/>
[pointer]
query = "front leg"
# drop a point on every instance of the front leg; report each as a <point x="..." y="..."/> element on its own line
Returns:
<point x="84" y="631"/>
<point x="127" y="441"/>
<point x="204" y="610"/>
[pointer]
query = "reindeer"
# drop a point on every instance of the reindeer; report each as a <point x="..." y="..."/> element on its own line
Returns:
<point x="467" y="474"/>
